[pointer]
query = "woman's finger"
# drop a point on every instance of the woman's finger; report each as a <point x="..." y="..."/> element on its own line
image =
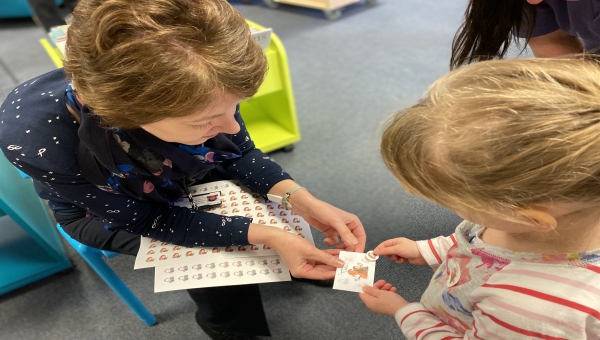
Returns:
<point x="334" y="252"/>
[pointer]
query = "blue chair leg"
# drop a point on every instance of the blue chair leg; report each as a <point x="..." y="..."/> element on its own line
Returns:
<point x="94" y="258"/>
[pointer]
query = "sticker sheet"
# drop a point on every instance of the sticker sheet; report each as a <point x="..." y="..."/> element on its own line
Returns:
<point x="358" y="271"/>
<point x="224" y="272"/>
<point x="235" y="200"/>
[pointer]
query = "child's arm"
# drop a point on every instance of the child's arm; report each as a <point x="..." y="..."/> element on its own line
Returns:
<point x="516" y="311"/>
<point x="435" y="250"/>
<point x="401" y="250"/>
<point x="415" y="321"/>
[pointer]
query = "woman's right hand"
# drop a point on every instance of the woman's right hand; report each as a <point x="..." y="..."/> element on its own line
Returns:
<point x="401" y="250"/>
<point x="302" y="258"/>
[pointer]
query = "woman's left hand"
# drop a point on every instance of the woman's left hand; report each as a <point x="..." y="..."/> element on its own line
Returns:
<point x="334" y="223"/>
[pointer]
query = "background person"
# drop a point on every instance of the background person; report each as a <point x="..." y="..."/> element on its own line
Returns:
<point x="551" y="28"/>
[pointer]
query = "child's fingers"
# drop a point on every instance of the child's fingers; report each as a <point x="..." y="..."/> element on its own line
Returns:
<point x="383" y="245"/>
<point x="396" y="258"/>
<point x="366" y="299"/>
<point x="391" y="246"/>
<point x="391" y="250"/>
<point x="393" y="290"/>
<point x="387" y="286"/>
<point x="379" y="284"/>
<point x="391" y="257"/>
<point x="371" y="291"/>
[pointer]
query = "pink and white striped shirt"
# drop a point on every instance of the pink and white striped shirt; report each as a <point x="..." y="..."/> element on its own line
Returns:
<point x="480" y="291"/>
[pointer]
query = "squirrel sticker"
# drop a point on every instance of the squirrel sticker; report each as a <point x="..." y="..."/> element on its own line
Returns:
<point x="359" y="272"/>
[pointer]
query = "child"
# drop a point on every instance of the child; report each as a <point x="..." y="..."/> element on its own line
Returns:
<point x="513" y="147"/>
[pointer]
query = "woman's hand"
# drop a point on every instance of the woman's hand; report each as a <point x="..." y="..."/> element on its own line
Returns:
<point x="301" y="257"/>
<point x="334" y="223"/>
<point x="382" y="298"/>
<point x="401" y="250"/>
<point x="331" y="221"/>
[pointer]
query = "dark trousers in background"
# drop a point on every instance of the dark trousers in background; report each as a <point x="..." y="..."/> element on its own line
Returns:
<point x="46" y="13"/>
<point x="230" y="309"/>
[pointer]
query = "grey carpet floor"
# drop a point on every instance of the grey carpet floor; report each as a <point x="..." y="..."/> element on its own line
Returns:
<point x="347" y="76"/>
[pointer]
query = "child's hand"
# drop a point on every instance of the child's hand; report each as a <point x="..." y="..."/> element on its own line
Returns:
<point x="382" y="298"/>
<point x="401" y="250"/>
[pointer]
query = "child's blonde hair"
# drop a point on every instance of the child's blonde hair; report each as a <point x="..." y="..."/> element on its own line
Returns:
<point x="502" y="134"/>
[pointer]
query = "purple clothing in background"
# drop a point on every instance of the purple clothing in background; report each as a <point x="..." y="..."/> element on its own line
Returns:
<point x="579" y="18"/>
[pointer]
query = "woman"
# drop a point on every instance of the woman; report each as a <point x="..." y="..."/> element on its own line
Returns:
<point x="148" y="104"/>
<point x="551" y="28"/>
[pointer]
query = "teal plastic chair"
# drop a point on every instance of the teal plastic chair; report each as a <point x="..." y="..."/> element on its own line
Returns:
<point x="93" y="257"/>
<point x="17" y="8"/>
<point x="30" y="247"/>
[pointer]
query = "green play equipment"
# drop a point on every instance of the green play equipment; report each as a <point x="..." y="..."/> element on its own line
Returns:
<point x="270" y="115"/>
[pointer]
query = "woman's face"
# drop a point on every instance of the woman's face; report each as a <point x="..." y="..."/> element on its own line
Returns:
<point x="201" y="126"/>
<point x="534" y="2"/>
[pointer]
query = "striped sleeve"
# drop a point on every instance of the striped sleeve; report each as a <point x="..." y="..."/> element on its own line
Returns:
<point x="416" y="322"/>
<point x="434" y="250"/>
<point x="541" y="302"/>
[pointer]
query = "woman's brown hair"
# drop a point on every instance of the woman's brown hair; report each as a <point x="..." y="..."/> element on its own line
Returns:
<point x="502" y="134"/>
<point x="135" y="62"/>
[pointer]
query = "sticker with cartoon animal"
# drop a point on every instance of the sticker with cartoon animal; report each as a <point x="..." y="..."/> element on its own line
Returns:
<point x="358" y="271"/>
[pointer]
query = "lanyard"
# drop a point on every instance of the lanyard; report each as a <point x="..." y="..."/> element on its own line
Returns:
<point x="189" y="195"/>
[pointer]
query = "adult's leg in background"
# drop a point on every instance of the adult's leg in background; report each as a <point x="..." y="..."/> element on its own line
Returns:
<point x="46" y="13"/>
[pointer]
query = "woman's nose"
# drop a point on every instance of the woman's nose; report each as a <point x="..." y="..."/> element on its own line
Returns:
<point x="229" y="125"/>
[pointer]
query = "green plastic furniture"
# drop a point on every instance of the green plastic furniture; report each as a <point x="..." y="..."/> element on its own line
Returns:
<point x="270" y="115"/>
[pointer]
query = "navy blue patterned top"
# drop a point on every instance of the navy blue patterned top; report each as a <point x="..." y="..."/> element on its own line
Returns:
<point x="40" y="137"/>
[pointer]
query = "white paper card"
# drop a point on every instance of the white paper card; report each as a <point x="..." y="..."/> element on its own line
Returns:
<point x="356" y="272"/>
<point x="262" y="37"/>
<point x="236" y="200"/>
<point x="224" y="272"/>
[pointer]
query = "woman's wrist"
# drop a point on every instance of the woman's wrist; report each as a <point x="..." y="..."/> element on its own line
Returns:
<point x="299" y="199"/>
<point x="264" y="234"/>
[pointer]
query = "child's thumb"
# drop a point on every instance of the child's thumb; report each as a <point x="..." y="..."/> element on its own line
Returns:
<point x="371" y="291"/>
<point x="383" y="250"/>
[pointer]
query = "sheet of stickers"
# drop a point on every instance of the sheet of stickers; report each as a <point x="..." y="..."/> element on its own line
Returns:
<point x="178" y="267"/>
